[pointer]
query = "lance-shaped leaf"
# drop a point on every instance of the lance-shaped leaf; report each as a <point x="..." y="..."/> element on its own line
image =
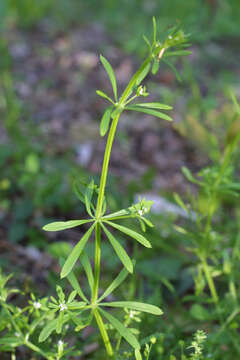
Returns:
<point x="133" y="305"/>
<point x="155" y="105"/>
<point x="88" y="269"/>
<point x="174" y="69"/>
<point x="74" y="282"/>
<point x="110" y="72"/>
<point x="123" y="331"/>
<point x="140" y="238"/>
<point x="76" y="252"/>
<point x="116" y="282"/>
<point x="155" y="66"/>
<point x="138" y="355"/>
<point x="143" y="74"/>
<point x="63" y="225"/>
<point x="149" y="112"/>
<point x="88" y="197"/>
<point x="103" y="95"/>
<point x="121" y="253"/>
<point x="47" y="330"/>
<point x="105" y="121"/>
<point x="178" y="53"/>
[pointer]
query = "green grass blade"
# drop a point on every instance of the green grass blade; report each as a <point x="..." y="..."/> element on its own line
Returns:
<point x="63" y="225"/>
<point x="107" y="66"/>
<point x="149" y="112"/>
<point x="133" y="234"/>
<point x="121" y="253"/>
<point x="116" y="283"/>
<point x="73" y="257"/>
<point x="123" y="331"/>
<point x="105" y="121"/>
<point x="88" y="269"/>
<point x="133" y="305"/>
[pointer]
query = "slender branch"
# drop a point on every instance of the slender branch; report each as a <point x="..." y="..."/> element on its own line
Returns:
<point x="97" y="262"/>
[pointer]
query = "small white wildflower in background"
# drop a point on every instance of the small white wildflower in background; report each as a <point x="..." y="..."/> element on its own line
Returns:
<point x="140" y="212"/>
<point x="36" y="304"/>
<point x="131" y="314"/>
<point x="60" y="343"/>
<point x="62" y="307"/>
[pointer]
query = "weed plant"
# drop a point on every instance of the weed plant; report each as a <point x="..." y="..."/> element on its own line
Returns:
<point x="33" y="325"/>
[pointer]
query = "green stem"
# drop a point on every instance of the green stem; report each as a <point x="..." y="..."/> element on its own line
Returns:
<point x="97" y="262"/>
<point x="36" y="349"/>
<point x="209" y="280"/>
<point x="103" y="332"/>
<point x="105" y="165"/>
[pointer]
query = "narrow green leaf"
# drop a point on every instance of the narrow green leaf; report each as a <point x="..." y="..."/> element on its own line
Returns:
<point x="235" y="102"/>
<point x="140" y="238"/>
<point x="138" y="355"/>
<point x="180" y="202"/>
<point x="63" y="225"/>
<point x="107" y="66"/>
<point x="189" y="176"/>
<point x="88" y="196"/>
<point x="149" y="112"/>
<point x="177" y="53"/>
<point x="116" y="283"/>
<point x="72" y="258"/>
<point x="60" y="322"/>
<point x="155" y="66"/>
<point x="47" y="330"/>
<point x="147" y="42"/>
<point x="154" y="30"/>
<point x="133" y="305"/>
<point x="143" y="74"/>
<point x="75" y="284"/>
<point x="119" y="213"/>
<point x="174" y="69"/>
<point x="103" y="95"/>
<point x="155" y="105"/>
<point x="105" y="121"/>
<point x="76" y="305"/>
<point x="121" y="253"/>
<point x="88" y="269"/>
<point x="123" y="331"/>
<point x="72" y="296"/>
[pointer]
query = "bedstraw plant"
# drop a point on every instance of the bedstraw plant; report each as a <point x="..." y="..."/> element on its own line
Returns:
<point x="53" y="315"/>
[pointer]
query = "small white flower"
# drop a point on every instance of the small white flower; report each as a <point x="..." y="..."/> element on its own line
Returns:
<point x="131" y="314"/>
<point x="60" y="343"/>
<point x="140" y="212"/>
<point x="170" y="37"/>
<point x="141" y="91"/>
<point x="37" y="305"/>
<point x="62" y="307"/>
<point x="17" y="334"/>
